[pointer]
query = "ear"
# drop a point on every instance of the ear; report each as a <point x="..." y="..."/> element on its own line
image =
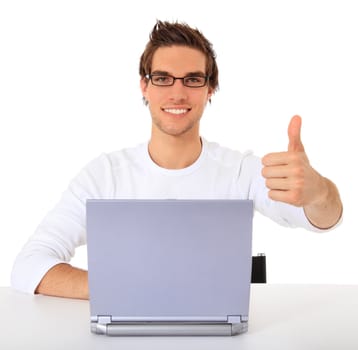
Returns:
<point x="143" y="86"/>
<point x="210" y="93"/>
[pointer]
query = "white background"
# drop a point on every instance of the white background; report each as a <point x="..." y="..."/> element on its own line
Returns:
<point x="69" y="90"/>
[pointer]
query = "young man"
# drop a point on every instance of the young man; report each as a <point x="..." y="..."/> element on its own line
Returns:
<point x="178" y="77"/>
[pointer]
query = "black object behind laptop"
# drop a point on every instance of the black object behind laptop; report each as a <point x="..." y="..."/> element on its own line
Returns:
<point x="258" y="273"/>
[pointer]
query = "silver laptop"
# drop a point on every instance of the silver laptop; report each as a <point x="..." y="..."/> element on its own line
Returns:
<point x="169" y="267"/>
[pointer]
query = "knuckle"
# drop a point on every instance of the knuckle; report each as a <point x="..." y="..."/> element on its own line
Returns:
<point x="264" y="160"/>
<point x="271" y="195"/>
<point x="267" y="183"/>
<point x="295" y="198"/>
<point x="264" y="172"/>
<point x="298" y="171"/>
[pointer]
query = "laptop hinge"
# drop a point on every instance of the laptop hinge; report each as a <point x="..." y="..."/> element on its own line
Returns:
<point x="237" y="318"/>
<point x="100" y="325"/>
<point x="104" y="319"/>
<point x="239" y="324"/>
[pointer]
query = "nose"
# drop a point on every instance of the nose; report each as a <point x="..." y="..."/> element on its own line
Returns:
<point x="178" y="91"/>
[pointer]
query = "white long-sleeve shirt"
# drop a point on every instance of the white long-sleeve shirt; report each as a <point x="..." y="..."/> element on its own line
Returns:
<point x="219" y="173"/>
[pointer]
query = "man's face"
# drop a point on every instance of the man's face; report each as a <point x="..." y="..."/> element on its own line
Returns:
<point x="176" y="109"/>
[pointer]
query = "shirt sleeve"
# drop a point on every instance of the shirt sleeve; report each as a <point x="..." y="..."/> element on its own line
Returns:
<point x="63" y="229"/>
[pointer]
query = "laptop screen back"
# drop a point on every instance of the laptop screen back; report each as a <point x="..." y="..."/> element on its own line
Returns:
<point x="169" y="259"/>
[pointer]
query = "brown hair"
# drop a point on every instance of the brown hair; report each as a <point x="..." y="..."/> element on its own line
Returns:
<point x="165" y="34"/>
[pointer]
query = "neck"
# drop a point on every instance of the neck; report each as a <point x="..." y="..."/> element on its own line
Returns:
<point x="174" y="152"/>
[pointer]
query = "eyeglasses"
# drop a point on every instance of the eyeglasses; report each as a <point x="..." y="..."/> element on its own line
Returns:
<point x="192" y="81"/>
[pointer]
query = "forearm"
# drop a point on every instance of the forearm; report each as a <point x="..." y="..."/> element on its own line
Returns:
<point x="64" y="280"/>
<point x="326" y="212"/>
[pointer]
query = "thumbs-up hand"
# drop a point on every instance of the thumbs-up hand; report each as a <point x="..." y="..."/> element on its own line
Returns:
<point x="289" y="175"/>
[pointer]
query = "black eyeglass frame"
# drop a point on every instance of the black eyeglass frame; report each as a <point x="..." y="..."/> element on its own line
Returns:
<point x="150" y="76"/>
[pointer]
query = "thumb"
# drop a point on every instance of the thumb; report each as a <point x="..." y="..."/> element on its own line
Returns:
<point x="294" y="135"/>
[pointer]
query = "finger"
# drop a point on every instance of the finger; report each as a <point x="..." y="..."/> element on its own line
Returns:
<point x="294" y="135"/>
<point x="280" y="171"/>
<point x="278" y="184"/>
<point x="277" y="158"/>
<point x="285" y="196"/>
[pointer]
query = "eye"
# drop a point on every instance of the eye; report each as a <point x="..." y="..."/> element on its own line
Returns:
<point x="161" y="79"/>
<point x="193" y="79"/>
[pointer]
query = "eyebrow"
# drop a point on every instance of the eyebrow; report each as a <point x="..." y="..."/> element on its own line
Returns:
<point x="189" y="74"/>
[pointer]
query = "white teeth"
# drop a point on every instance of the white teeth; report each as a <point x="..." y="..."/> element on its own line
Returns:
<point x="176" y="111"/>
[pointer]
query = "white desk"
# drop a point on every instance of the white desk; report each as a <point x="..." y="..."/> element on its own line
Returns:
<point x="286" y="317"/>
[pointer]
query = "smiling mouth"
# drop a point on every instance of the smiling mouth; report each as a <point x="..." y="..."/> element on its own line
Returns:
<point x="176" y="111"/>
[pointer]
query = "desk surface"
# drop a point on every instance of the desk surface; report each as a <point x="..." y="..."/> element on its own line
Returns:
<point x="281" y="317"/>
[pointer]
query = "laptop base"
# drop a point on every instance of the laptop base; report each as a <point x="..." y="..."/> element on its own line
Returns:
<point x="167" y="329"/>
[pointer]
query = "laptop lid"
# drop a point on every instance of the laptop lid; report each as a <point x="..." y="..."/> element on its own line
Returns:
<point x="159" y="263"/>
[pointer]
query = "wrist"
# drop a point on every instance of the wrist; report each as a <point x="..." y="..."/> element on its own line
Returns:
<point x="327" y="209"/>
